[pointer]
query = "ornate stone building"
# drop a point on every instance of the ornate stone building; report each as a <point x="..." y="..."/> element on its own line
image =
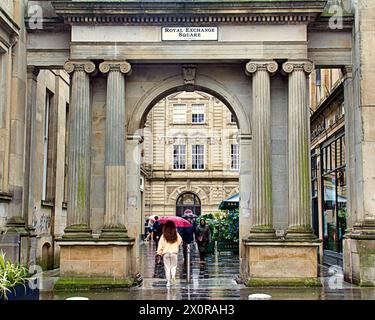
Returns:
<point x="190" y="155"/>
<point x="34" y="105"/>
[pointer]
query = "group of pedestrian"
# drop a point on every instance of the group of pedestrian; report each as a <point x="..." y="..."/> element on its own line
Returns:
<point x="170" y="240"/>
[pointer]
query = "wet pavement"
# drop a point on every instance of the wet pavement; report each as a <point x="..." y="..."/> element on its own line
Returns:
<point x="214" y="281"/>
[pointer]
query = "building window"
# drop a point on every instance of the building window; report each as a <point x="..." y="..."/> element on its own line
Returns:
<point x="232" y="118"/>
<point x="234" y="156"/>
<point x="197" y="113"/>
<point x="334" y="194"/>
<point x="46" y="143"/>
<point x="179" y="113"/>
<point x="179" y="157"/>
<point x="197" y="157"/>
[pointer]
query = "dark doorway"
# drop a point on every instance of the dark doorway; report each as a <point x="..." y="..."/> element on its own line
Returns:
<point x="188" y="203"/>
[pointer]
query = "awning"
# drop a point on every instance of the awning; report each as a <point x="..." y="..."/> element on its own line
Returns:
<point x="232" y="202"/>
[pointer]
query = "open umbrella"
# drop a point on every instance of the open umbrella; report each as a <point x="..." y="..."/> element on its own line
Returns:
<point x="178" y="221"/>
<point x="189" y="215"/>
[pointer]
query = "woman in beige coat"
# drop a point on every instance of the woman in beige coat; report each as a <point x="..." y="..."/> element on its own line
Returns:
<point x="168" y="248"/>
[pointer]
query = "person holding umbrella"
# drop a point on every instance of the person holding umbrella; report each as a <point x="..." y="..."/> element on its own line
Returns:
<point x="168" y="246"/>
<point x="203" y="238"/>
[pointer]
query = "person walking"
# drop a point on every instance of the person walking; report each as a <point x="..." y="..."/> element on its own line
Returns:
<point x="157" y="230"/>
<point x="150" y="226"/>
<point x="203" y="239"/>
<point x="187" y="235"/>
<point x="168" y="247"/>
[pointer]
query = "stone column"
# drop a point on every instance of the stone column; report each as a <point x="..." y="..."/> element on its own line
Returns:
<point x="350" y="126"/>
<point x="262" y="220"/>
<point x="246" y="175"/>
<point x="300" y="214"/>
<point x="32" y="83"/>
<point x="115" y="194"/>
<point x="79" y="164"/>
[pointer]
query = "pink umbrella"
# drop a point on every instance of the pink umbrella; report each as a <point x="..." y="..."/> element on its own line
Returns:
<point x="178" y="221"/>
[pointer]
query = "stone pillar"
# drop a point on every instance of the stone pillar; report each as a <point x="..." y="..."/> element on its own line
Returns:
<point x="79" y="165"/>
<point x="30" y="147"/>
<point x="262" y="220"/>
<point x="246" y="175"/>
<point x="300" y="214"/>
<point x="350" y="145"/>
<point x="114" y="218"/>
<point x="133" y="196"/>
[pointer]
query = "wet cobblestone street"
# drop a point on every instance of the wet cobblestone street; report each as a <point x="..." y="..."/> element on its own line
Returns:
<point x="214" y="281"/>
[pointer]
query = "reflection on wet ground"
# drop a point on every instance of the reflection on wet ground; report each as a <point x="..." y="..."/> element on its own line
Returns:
<point x="214" y="281"/>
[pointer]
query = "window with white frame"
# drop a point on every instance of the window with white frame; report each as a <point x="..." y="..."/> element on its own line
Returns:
<point x="234" y="156"/>
<point x="197" y="157"/>
<point x="197" y="113"/>
<point x="179" y="113"/>
<point x="179" y="157"/>
<point x="47" y="108"/>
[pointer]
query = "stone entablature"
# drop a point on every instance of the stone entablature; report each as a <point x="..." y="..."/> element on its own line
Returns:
<point x="208" y="12"/>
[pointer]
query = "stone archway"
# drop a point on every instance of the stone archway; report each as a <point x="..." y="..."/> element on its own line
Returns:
<point x="177" y="83"/>
<point x="206" y="84"/>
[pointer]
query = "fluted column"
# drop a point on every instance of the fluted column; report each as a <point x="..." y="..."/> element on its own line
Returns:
<point x="300" y="214"/>
<point x="262" y="218"/>
<point x="78" y="222"/>
<point x="115" y="194"/>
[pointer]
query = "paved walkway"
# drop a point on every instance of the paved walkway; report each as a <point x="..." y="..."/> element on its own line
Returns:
<point x="214" y="281"/>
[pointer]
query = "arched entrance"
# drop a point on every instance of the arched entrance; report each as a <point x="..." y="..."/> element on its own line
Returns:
<point x="188" y="203"/>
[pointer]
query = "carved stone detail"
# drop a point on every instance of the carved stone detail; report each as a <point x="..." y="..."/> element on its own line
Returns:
<point x="254" y="66"/>
<point x="82" y="65"/>
<point x="189" y="73"/>
<point x="290" y="66"/>
<point x="121" y="66"/>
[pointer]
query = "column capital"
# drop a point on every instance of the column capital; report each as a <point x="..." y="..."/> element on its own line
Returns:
<point x="79" y="65"/>
<point x="121" y="66"/>
<point x="304" y="65"/>
<point x="266" y="65"/>
<point x="347" y="71"/>
<point x="32" y="72"/>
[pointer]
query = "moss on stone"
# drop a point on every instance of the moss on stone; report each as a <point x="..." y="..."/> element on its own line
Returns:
<point x="287" y="282"/>
<point x="92" y="283"/>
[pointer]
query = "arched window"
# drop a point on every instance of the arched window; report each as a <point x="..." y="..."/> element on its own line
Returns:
<point x="188" y="203"/>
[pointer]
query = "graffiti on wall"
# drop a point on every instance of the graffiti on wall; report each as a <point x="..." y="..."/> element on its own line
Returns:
<point x="41" y="221"/>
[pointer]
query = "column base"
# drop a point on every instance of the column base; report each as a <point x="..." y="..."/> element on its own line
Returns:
<point x="359" y="255"/>
<point x="78" y="231"/>
<point x="293" y="234"/>
<point x="280" y="262"/>
<point x="262" y="233"/>
<point x="95" y="258"/>
<point x="114" y="233"/>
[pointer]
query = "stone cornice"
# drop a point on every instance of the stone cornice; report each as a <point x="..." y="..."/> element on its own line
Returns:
<point x="7" y="23"/>
<point x="183" y="12"/>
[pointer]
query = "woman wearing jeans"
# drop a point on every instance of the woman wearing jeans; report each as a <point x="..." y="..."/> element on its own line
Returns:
<point x="168" y="248"/>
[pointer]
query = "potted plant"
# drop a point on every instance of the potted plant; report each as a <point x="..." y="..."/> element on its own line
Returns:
<point x="14" y="281"/>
